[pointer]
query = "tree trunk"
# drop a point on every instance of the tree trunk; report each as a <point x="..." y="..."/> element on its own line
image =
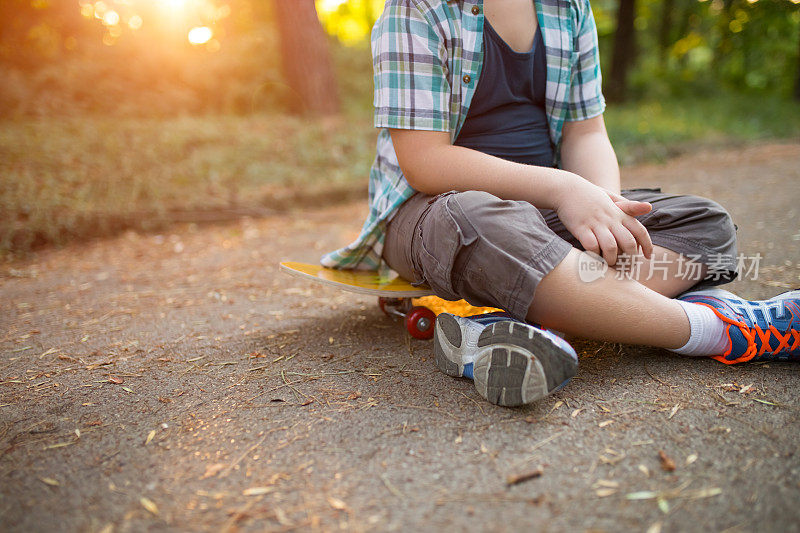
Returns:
<point x="797" y="84"/>
<point x="723" y="48"/>
<point x="624" y="51"/>
<point x="305" y="57"/>
<point x="665" y="31"/>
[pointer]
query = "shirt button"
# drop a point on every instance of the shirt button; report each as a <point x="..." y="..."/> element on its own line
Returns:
<point x="476" y="10"/>
<point x="466" y="78"/>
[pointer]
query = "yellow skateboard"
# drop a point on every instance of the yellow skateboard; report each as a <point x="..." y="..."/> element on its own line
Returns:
<point x="398" y="298"/>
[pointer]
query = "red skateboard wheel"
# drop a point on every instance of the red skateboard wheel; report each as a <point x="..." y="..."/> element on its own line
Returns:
<point x="420" y="322"/>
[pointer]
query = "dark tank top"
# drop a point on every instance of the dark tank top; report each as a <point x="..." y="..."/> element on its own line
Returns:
<point x="507" y="116"/>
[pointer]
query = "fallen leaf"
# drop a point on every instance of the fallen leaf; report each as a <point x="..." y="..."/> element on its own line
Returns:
<point x="641" y="495"/>
<point x="606" y="483"/>
<point x="692" y="458"/>
<point x="126" y="389"/>
<point x="605" y="423"/>
<point x="705" y="493"/>
<point x="663" y="505"/>
<point x="336" y="503"/>
<point x="602" y="493"/>
<point x="576" y="412"/>
<point x="50" y="481"/>
<point x="520" y="478"/>
<point x="48" y="352"/>
<point x="116" y="380"/>
<point x="58" y="445"/>
<point x="150" y="437"/>
<point x="213" y="470"/>
<point x="667" y="464"/>
<point x="764" y="401"/>
<point x="674" y="410"/>
<point x="149" y="505"/>
<point x="644" y="470"/>
<point x="257" y="491"/>
<point x="283" y="520"/>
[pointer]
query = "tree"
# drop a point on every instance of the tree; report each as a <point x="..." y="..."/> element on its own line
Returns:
<point x="624" y="51"/>
<point x="305" y="58"/>
<point x="797" y="83"/>
<point x="665" y="30"/>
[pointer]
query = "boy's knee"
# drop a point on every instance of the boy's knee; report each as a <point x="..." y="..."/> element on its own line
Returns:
<point x="694" y="219"/>
<point x="718" y="223"/>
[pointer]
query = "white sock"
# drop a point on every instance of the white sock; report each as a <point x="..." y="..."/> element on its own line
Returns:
<point x="707" y="333"/>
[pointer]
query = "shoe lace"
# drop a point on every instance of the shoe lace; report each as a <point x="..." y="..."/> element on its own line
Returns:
<point x="751" y="333"/>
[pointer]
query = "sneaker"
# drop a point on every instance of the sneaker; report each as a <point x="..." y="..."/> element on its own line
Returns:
<point x="512" y="363"/>
<point x="766" y="330"/>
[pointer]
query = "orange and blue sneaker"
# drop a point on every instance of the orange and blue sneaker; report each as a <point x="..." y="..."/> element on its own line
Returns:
<point x="512" y="363"/>
<point x="764" y="330"/>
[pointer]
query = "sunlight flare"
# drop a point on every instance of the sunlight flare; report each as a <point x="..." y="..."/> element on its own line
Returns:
<point x="200" y="35"/>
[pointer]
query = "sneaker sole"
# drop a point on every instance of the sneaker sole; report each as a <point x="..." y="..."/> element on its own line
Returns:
<point x="515" y="365"/>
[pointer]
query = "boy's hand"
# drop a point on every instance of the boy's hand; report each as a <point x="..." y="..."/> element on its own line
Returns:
<point x="603" y="221"/>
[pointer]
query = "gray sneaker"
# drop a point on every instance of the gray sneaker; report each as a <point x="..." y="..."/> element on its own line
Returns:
<point x="512" y="363"/>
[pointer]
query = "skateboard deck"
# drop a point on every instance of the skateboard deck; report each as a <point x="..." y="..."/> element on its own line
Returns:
<point x="358" y="281"/>
<point x="416" y="306"/>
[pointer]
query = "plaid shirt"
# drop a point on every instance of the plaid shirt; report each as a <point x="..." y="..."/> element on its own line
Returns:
<point x="427" y="58"/>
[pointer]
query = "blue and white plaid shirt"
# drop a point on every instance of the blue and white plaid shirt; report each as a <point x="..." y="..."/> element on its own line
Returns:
<point x="427" y="57"/>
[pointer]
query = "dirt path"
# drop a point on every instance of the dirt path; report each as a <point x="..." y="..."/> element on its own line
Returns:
<point x="180" y="382"/>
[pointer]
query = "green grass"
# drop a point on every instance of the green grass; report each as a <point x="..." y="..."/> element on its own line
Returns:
<point x="649" y="131"/>
<point x="71" y="177"/>
<point x="74" y="177"/>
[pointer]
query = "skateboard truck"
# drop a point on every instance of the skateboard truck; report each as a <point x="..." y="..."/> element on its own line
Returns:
<point x="419" y="321"/>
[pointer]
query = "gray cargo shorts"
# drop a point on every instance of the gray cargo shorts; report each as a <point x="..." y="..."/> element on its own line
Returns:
<point x="494" y="252"/>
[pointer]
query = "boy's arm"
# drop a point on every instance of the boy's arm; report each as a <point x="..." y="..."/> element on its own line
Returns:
<point x="587" y="151"/>
<point x="585" y="148"/>
<point x="602" y="221"/>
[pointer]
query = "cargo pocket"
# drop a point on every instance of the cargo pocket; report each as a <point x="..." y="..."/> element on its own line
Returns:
<point x="441" y="238"/>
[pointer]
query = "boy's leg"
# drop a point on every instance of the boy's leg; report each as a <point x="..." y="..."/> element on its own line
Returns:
<point x="506" y="247"/>
<point x="664" y="272"/>
<point x="694" y="239"/>
<point x="696" y="249"/>
<point x="611" y="308"/>
<point x="498" y="253"/>
<point x="504" y="254"/>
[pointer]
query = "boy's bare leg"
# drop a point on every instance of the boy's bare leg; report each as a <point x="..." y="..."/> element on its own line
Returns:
<point x="609" y="309"/>
<point x="665" y="272"/>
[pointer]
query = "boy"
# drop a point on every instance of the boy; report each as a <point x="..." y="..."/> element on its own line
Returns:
<point x="494" y="172"/>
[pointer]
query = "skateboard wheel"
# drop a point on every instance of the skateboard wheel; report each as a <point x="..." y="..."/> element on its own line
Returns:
<point x="419" y="322"/>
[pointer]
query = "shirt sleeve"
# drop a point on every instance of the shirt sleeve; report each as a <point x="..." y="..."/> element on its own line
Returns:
<point x="586" y="95"/>
<point x="410" y="73"/>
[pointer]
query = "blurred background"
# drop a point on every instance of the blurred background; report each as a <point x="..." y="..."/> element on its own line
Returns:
<point x="131" y="114"/>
